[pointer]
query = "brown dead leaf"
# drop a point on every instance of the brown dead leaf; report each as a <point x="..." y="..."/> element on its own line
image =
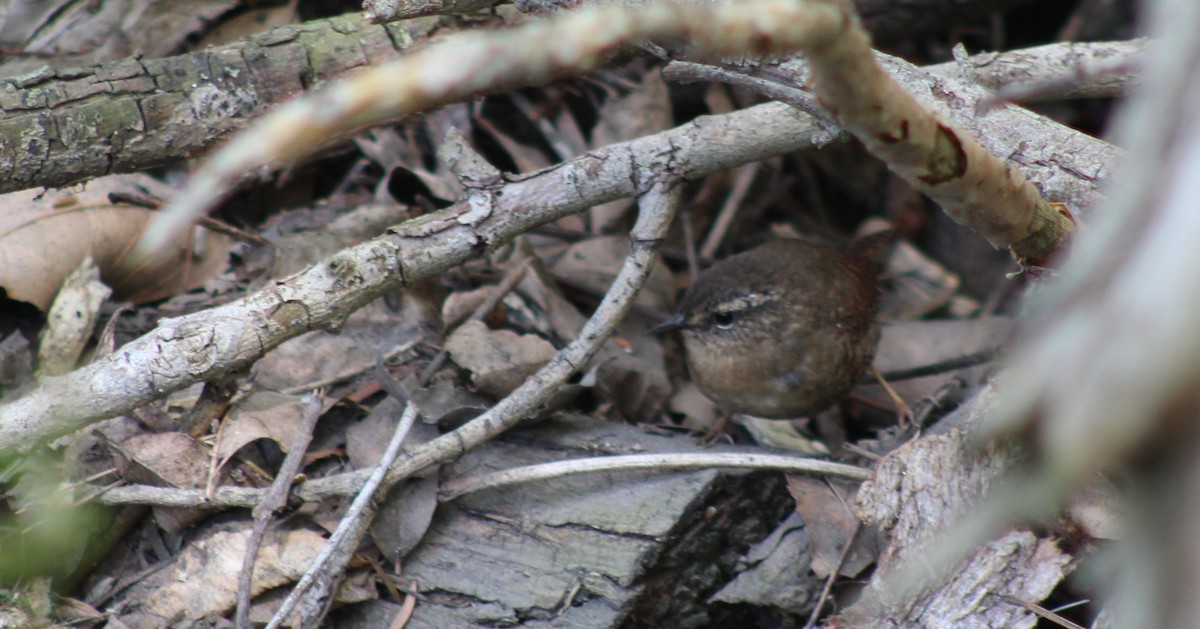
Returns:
<point x="45" y="235"/>
<point x="917" y="285"/>
<point x="552" y="313"/>
<point x="499" y="360"/>
<point x="167" y="459"/>
<point x="203" y="579"/>
<point x="632" y="373"/>
<point x="446" y="404"/>
<point x="367" y="440"/>
<point x="644" y="111"/>
<point x="593" y="264"/>
<point x="77" y="613"/>
<point x="831" y="522"/>
<point x="460" y="305"/>
<point x="71" y="319"/>
<point x="171" y="459"/>
<point x="406" y="513"/>
<point x="404" y="517"/>
<point x="248" y="23"/>
<point x="260" y="415"/>
<point x="317" y="356"/>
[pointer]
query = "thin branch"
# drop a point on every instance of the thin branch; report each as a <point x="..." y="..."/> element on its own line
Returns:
<point x="149" y="112"/>
<point x="274" y="500"/>
<point x="688" y="72"/>
<point x="973" y="186"/>
<point x="1054" y="71"/>
<point x="833" y="575"/>
<point x="656" y="209"/>
<point x="217" y="343"/>
<point x="656" y="462"/>
<point x="466" y="63"/>
<point x="742" y="179"/>
<point x="342" y="544"/>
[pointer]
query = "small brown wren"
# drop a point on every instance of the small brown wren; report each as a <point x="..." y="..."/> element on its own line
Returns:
<point x="785" y="329"/>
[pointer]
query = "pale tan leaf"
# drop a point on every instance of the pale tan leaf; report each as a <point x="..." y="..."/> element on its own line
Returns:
<point x="499" y="360"/>
<point x="832" y="525"/>
<point x="260" y="415"/>
<point x="593" y="264"/>
<point x="71" y="319"/>
<point x="202" y="580"/>
<point x="44" y="235"/>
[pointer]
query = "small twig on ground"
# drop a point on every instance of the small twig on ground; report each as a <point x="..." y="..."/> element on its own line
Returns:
<point x="215" y="399"/>
<point x="959" y="362"/>
<point x="689" y="245"/>
<point x="210" y="485"/>
<point x="658" y="462"/>
<point x="274" y="500"/>
<point x="945" y="396"/>
<point x="1041" y="612"/>
<point x="903" y="412"/>
<point x="743" y="177"/>
<point x="332" y="559"/>
<point x="406" y="609"/>
<point x="833" y="575"/>
<point x="689" y="72"/>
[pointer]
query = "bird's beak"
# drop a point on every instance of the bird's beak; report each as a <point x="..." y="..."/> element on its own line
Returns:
<point x="674" y="323"/>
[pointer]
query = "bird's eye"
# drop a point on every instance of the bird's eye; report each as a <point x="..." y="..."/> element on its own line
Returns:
<point x="723" y="320"/>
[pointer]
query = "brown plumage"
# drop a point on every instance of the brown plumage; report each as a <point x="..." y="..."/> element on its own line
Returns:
<point x="785" y="329"/>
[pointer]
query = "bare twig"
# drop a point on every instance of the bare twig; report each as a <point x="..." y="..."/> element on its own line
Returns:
<point x="1054" y="71"/>
<point x="210" y="483"/>
<point x="636" y="462"/>
<point x="656" y="210"/>
<point x="466" y="63"/>
<point x="215" y="399"/>
<point x="833" y="575"/>
<point x="981" y="357"/>
<point x="274" y="500"/>
<point x="333" y="557"/>
<point x="688" y="72"/>
<point x="217" y="343"/>
<point x="1042" y="612"/>
<point x="973" y="186"/>
<point x="743" y="177"/>
<point x="406" y="610"/>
